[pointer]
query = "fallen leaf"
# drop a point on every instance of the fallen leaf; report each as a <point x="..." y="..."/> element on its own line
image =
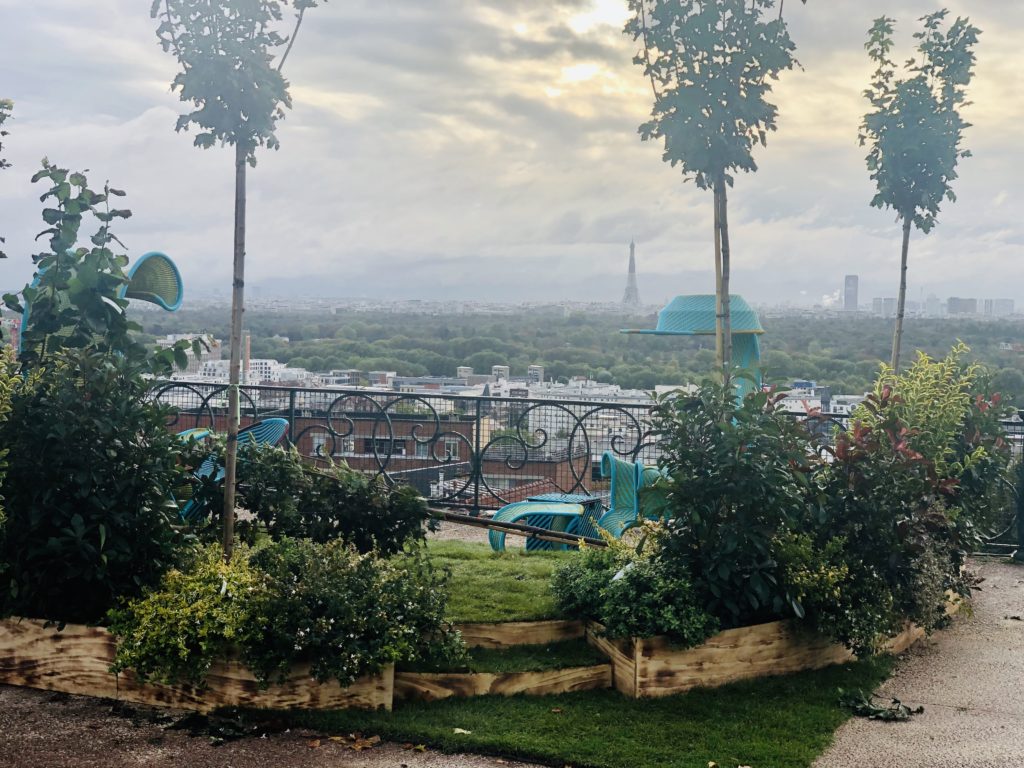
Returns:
<point x="337" y="738"/>
<point x="712" y="764"/>
<point x="407" y="745"/>
<point x="460" y="730"/>
<point x="420" y="747"/>
<point x="556" y="710"/>
<point x="314" y="743"/>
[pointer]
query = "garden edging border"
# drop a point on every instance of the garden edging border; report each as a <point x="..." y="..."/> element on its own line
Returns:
<point x="77" y="659"/>
<point x="652" y="667"/>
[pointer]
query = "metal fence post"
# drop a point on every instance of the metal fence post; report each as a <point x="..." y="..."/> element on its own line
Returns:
<point x="291" y="415"/>
<point x="478" y="464"/>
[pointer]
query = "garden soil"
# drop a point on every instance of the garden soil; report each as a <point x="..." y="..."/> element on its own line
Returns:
<point x="969" y="680"/>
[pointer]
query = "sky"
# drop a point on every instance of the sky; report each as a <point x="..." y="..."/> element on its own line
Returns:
<point x="488" y="150"/>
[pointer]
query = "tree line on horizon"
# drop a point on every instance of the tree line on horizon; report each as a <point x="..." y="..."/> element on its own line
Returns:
<point x="843" y="353"/>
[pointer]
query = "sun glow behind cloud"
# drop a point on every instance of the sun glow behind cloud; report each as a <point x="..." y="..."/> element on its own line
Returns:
<point x="434" y="133"/>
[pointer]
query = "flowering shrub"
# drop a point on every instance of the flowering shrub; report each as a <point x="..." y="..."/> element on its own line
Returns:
<point x="344" y="613"/>
<point x="855" y="541"/>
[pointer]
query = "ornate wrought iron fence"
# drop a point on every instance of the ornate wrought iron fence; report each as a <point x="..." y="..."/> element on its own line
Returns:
<point x="470" y="452"/>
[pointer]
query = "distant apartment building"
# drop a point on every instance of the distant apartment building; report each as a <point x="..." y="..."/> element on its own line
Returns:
<point x="463" y="372"/>
<point x="850" y="288"/>
<point x="211" y="349"/>
<point x="997" y="307"/>
<point x="535" y="374"/>
<point x="958" y="306"/>
<point x="883" y="307"/>
<point x="501" y="371"/>
<point x="381" y="378"/>
<point x="933" y="306"/>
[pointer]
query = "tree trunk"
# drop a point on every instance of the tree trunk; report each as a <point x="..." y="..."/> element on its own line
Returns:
<point x="897" y="336"/>
<point x="723" y="289"/>
<point x="237" y="308"/>
<point x="718" y="285"/>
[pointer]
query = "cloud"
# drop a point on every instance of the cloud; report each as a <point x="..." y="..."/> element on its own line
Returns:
<point x="488" y="150"/>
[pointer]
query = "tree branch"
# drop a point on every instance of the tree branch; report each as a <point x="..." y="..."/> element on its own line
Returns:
<point x="647" y="53"/>
<point x="291" y="40"/>
<point x="170" y="28"/>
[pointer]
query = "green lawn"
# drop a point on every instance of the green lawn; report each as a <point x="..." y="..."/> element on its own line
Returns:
<point x="527" y="658"/>
<point x="783" y="722"/>
<point x="488" y="586"/>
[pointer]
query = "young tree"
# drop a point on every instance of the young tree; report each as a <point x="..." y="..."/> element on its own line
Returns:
<point x="6" y="105"/>
<point x="915" y="129"/>
<point x="710" y="67"/>
<point x="231" y="56"/>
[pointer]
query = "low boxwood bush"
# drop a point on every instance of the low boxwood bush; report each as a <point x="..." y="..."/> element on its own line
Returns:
<point x="633" y="594"/>
<point x="345" y="613"/>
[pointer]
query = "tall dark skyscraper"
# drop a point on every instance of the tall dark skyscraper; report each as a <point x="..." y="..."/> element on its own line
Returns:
<point x="632" y="295"/>
<point x="850" y="286"/>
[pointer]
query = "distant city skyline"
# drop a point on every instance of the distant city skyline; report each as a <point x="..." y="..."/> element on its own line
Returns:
<point x="495" y="156"/>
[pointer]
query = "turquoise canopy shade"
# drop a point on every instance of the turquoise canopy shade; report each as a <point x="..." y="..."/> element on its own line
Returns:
<point x="695" y="316"/>
<point x="156" y="279"/>
<point x="153" y="278"/>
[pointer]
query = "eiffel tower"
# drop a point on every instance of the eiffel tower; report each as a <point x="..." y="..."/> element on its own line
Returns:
<point x="632" y="296"/>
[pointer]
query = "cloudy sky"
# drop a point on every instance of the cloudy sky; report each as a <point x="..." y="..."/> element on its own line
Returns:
<point x="487" y="149"/>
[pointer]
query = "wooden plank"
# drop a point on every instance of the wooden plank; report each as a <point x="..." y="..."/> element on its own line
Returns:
<point x="77" y="660"/>
<point x="505" y="634"/>
<point x="621" y="653"/>
<point x="431" y="686"/>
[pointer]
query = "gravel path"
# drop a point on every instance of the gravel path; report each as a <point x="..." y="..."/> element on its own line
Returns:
<point x="46" y="730"/>
<point x="970" y="680"/>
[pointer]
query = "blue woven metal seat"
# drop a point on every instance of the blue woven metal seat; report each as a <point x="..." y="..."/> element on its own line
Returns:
<point x="265" y="432"/>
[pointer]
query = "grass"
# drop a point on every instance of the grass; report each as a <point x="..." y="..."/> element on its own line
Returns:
<point x="782" y="722"/>
<point x="528" y="658"/>
<point x="488" y="586"/>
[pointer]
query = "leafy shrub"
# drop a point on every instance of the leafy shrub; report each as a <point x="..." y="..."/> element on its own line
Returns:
<point x="91" y="463"/>
<point x="76" y="301"/>
<point x="344" y="613"/>
<point x="736" y="477"/>
<point x="8" y="383"/>
<point x="199" y="613"/>
<point x="633" y="594"/>
<point x="290" y="500"/>
<point x="894" y="507"/>
<point x="348" y="613"/>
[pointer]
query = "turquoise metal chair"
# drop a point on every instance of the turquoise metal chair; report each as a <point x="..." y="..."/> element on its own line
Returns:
<point x="265" y="432"/>
<point x="550" y="515"/>
<point x="626" y="507"/>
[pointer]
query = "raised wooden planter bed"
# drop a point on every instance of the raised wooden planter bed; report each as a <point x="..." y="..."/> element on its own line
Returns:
<point x="651" y="667"/>
<point x="77" y="660"/>
<point x="432" y="686"/>
<point x="509" y="633"/>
